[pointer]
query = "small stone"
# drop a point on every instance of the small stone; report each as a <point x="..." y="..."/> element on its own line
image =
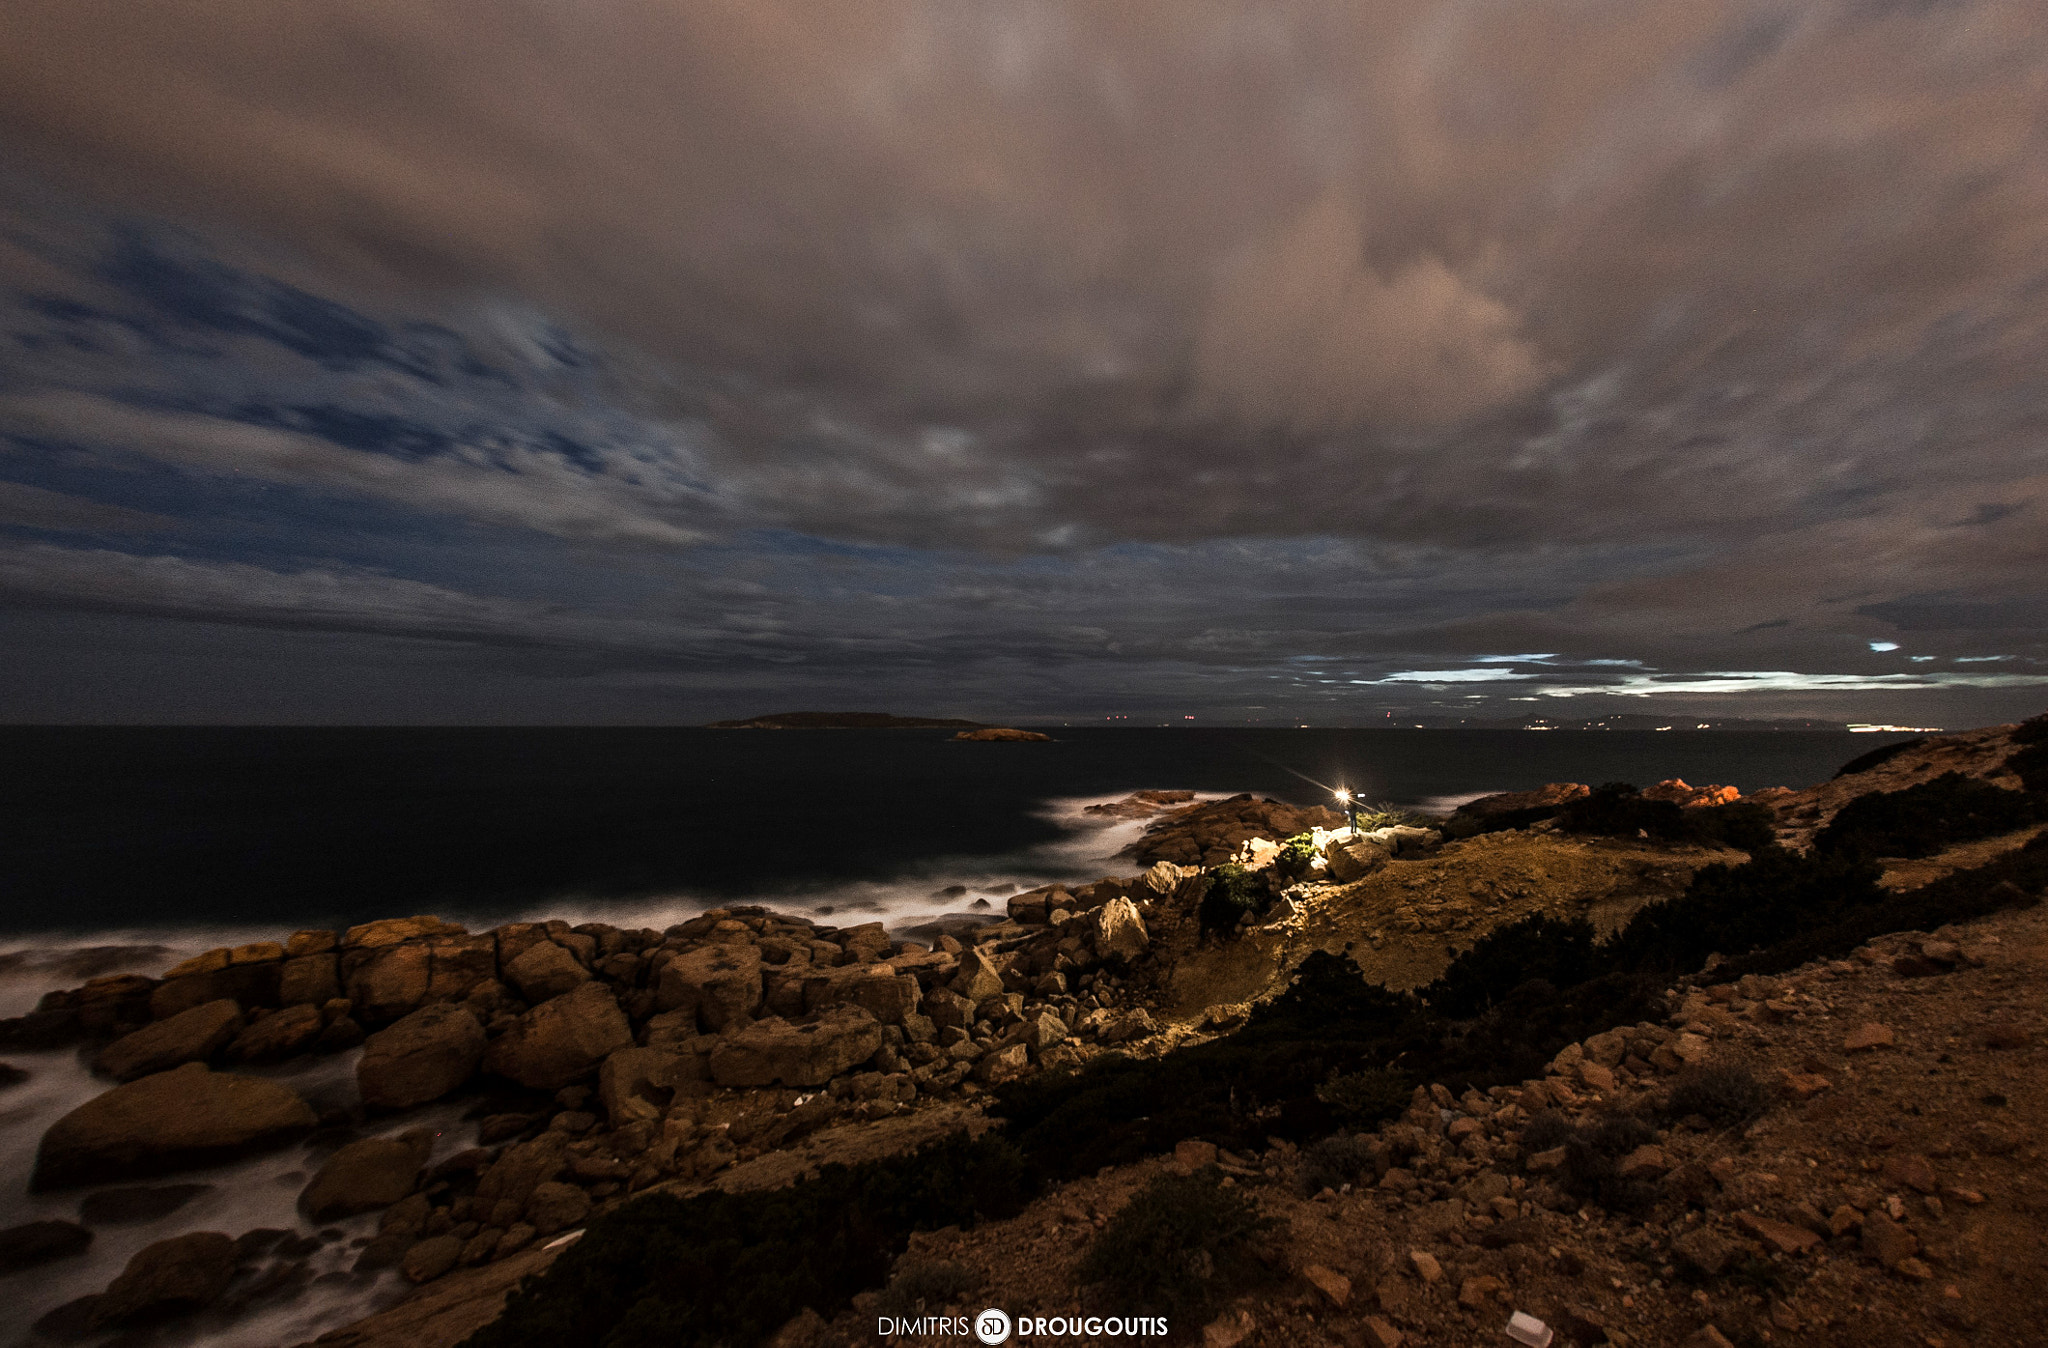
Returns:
<point x="1191" y="1154"/>
<point x="1426" y="1267"/>
<point x="1913" y="1171"/>
<point x="1914" y="1269"/>
<point x="1886" y="1241"/>
<point x="1706" y="1250"/>
<point x="1330" y="1283"/>
<point x="1380" y="1334"/>
<point x="1473" y="1293"/>
<point x="1228" y="1330"/>
<point x="1805" y="1085"/>
<point x="1706" y="1336"/>
<point x="1545" y="1160"/>
<point x="1647" y="1162"/>
<point x="1867" y="1036"/>
<point x="1593" y="1076"/>
<point x="1783" y="1237"/>
<point x="177" y="1274"/>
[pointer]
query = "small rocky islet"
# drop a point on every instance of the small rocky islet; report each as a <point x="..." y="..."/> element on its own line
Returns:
<point x="738" y="1049"/>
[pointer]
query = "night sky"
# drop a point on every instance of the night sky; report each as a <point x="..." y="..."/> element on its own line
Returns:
<point x="663" y="360"/>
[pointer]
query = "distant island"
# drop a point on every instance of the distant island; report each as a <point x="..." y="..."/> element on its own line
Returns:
<point x="846" y="720"/>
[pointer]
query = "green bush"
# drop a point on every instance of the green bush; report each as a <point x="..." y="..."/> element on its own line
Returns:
<point x="1297" y="854"/>
<point x="1925" y="818"/>
<point x="921" y="1287"/>
<point x="720" y="1269"/>
<point x="1338" y="1160"/>
<point x="1364" y="1099"/>
<point x="1233" y="892"/>
<point x="1557" y="951"/>
<point x="1724" y="1096"/>
<point x="1618" y="810"/>
<point x="1182" y="1246"/>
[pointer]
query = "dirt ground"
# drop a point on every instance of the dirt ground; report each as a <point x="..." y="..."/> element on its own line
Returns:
<point x="1928" y="1142"/>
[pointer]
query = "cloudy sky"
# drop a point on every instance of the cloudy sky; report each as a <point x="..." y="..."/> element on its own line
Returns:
<point x="661" y="360"/>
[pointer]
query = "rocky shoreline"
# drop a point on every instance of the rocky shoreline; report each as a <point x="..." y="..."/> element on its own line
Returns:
<point x="578" y="1067"/>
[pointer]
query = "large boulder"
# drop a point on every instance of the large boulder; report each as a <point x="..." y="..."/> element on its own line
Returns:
<point x="561" y="1040"/>
<point x="773" y="1051"/>
<point x="171" y="1121"/>
<point x="1354" y="857"/>
<point x="394" y="930"/>
<point x="189" y="1036"/>
<point x="310" y="980"/>
<point x="459" y="964"/>
<point x="422" y="1057"/>
<point x="637" y="1084"/>
<point x="179" y="1274"/>
<point x="364" y="1176"/>
<point x="503" y="1191"/>
<point x="1117" y="932"/>
<point x="721" y="983"/>
<point x="876" y="988"/>
<point x="40" y="1242"/>
<point x="387" y="982"/>
<point x="545" y="970"/>
<point x="278" y="1036"/>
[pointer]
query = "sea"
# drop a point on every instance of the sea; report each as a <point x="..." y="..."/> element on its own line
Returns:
<point x="125" y="849"/>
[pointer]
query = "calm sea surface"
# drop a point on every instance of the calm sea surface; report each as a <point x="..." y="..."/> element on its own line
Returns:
<point x="112" y="829"/>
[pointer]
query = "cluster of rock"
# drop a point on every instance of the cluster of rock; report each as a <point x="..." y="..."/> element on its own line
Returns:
<point x="1004" y="734"/>
<point x="602" y="1060"/>
<point x="1214" y="832"/>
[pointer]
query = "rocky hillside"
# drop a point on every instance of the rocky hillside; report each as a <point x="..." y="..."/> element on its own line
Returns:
<point x="1740" y="1159"/>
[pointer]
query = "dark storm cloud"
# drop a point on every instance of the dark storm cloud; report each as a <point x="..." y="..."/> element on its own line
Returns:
<point x="1177" y="336"/>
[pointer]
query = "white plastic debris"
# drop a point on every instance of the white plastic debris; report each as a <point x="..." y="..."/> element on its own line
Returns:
<point x="1526" y="1328"/>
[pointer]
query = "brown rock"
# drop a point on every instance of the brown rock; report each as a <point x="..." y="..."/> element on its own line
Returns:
<point x="998" y="734"/>
<point x="422" y="1057"/>
<point x="171" y="1121"/>
<point x="1805" y="1085"/>
<point x="1380" y="1334"/>
<point x="458" y="965"/>
<point x="772" y="1051"/>
<point x="182" y="1273"/>
<point x="311" y="979"/>
<point x="562" y="1040"/>
<point x="1229" y="1329"/>
<point x="1474" y="1293"/>
<point x="35" y="1243"/>
<point x="431" y="1258"/>
<point x="1783" y="1237"/>
<point x="393" y="930"/>
<point x="1191" y="1154"/>
<point x="556" y="1207"/>
<point x="1004" y="1064"/>
<point x="545" y="970"/>
<point x="1426" y="1266"/>
<point x="721" y="983"/>
<point x="1886" y="1241"/>
<point x="1912" y="1170"/>
<point x="277" y="1036"/>
<point x="1706" y="1250"/>
<point x="1647" y="1162"/>
<point x="503" y="1192"/>
<point x="387" y="982"/>
<point x="1117" y="932"/>
<point x="364" y="1176"/>
<point x="1330" y="1283"/>
<point x="638" y="1083"/>
<point x="1507" y="802"/>
<point x="248" y="984"/>
<point x="301" y="943"/>
<point x="1870" y="1035"/>
<point x="189" y="1036"/>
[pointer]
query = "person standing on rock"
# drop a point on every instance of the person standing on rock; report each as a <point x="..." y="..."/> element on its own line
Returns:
<point x="1350" y="807"/>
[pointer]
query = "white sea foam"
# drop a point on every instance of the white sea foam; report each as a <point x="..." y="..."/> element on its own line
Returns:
<point x="262" y="1192"/>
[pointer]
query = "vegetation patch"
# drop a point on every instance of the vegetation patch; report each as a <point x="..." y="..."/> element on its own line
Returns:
<point x="1233" y="894"/>
<point x="1182" y="1246"/>
<point x="1925" y="818"/>
<point x="1878" y="757"/>
<point x="1338" y="1160"/>
<point x="723" y="1269"/>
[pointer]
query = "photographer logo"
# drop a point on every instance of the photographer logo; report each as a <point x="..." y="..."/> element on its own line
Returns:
<point x="992" y="1326"/>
